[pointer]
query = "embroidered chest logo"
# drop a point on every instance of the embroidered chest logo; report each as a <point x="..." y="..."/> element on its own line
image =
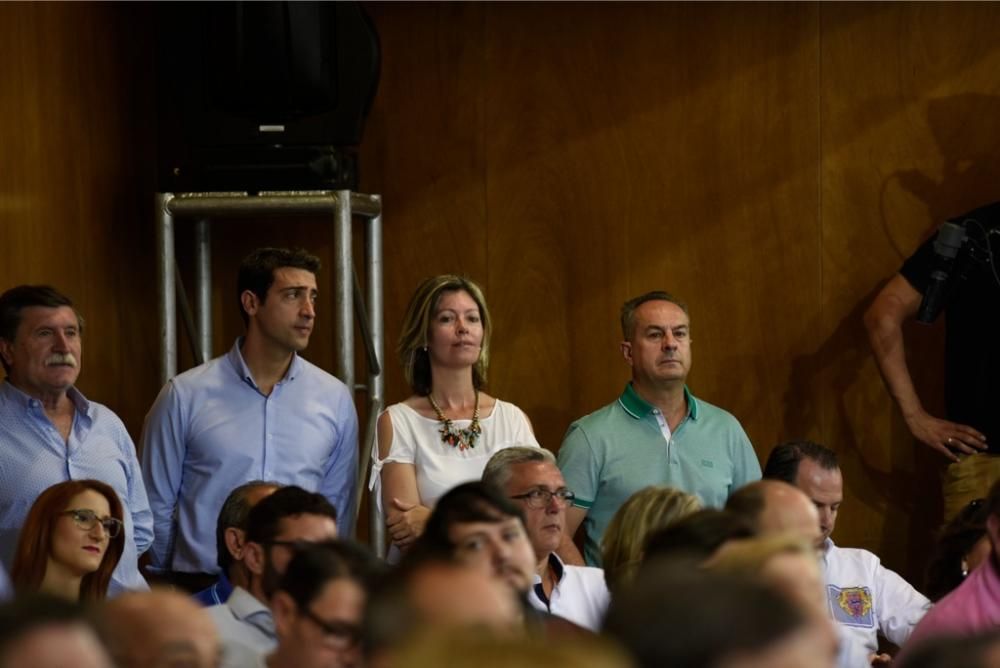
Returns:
<point x="851" y="605"/>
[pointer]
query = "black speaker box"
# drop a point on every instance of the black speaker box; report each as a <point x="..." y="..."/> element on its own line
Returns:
<point x="262" y="95"/>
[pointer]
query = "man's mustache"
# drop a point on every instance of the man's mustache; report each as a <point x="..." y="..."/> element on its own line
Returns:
<point x="59" y="359"/>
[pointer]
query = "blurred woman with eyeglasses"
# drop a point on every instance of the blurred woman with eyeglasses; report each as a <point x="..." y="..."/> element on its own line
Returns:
<point x="71" y="541"/>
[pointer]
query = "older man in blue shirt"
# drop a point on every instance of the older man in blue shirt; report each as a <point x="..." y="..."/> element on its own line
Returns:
<point x="51" y="433"/>
<point x="259" y="412"/>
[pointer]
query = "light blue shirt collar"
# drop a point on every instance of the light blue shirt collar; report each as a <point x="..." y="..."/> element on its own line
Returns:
<point x="28" y="402"/>
<point x="249" y="610"/>
<point x="235" y="357"/>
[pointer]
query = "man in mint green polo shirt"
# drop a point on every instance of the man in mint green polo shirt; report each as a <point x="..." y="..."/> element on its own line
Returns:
<point x="655" y="433"/>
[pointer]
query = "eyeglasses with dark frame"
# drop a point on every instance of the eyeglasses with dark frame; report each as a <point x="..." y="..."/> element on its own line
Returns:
<point x="86" y="519"/>
<point x="340" y="635"/>
<point x="294" y="544"/>
<point x="540" y="498"/>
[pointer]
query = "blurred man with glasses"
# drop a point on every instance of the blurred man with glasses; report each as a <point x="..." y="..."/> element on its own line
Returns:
<point x="319" y="604"/>
<point x="529" y="476"/>
<point x="276" y="527"/>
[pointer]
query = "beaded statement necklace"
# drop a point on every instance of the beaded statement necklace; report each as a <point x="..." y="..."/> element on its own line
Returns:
<point x="463" y="439"/>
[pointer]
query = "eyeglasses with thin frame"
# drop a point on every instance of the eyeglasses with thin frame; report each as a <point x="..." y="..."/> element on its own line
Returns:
<point x="540" y="498"/>
<point x="339" y="634"/>
<point x="86" y="519"/>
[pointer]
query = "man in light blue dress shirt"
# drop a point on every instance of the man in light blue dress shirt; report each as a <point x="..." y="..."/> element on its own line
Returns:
<point x="51" y="433"/>
<point x="259" y="412"/>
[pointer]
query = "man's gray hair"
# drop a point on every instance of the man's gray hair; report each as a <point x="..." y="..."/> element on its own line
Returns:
<point x="497" y="471"/>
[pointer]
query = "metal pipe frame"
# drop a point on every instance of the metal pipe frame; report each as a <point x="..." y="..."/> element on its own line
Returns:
<point x="239" y="204"/>
<point x="343" y="205"/>
<point x="343" y="290"/>
<point x="376" y="381"/>
<point x="167" y="301"/>
<point x="203" y="287"/>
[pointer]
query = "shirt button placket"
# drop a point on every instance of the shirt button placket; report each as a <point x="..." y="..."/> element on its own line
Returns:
<point x="267" y="475"/>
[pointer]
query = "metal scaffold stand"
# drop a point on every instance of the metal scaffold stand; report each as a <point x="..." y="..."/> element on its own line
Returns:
<point x="350" y="303"/>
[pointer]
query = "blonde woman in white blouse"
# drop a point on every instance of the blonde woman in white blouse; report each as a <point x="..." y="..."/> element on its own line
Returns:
<point x="446" y="431"/>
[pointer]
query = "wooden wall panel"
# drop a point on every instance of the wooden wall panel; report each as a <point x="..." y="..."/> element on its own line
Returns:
<point x="770" y="163"/>
<point x="909" y="138"/>
<point x="720" y="151"/>
<point x="75" y="178"/>
<point x="658" y="168"/>
<point x="423" y="151"/>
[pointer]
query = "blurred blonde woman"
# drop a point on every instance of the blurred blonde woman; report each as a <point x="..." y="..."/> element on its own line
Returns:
<point x="648" y="510"/>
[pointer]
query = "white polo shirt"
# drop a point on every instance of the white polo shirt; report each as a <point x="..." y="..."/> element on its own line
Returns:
<point x="580" y="595"/>
<point x="863" y="598"/>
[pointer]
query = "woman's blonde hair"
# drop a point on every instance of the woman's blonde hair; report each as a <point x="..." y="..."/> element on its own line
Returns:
<point x="646" y="511"/>
<point x="412" y="345"/>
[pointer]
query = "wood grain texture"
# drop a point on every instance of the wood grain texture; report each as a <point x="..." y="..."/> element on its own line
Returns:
<point x="611" y="176"/>
<point x="744" y="156"/>
<point x="423" y="151"/>
<point x="909" y="138"/>
<point x="75" y="178"/>
<point x="771" y="163"/>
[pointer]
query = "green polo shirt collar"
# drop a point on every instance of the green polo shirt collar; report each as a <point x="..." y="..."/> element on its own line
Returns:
<point x="639" y="408"/>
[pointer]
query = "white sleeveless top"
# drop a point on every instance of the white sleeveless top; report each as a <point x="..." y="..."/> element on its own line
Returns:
<point x="439" y="467"/>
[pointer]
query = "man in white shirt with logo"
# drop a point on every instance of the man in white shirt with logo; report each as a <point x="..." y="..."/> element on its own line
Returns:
<point x="530" y="476"/>
<point x="863" y="596"/>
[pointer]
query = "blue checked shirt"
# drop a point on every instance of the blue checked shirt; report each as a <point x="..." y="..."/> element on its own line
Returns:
<point x="35" y="457"/>
<point x="211" y="430"/>
<point x="6" y="591"/>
